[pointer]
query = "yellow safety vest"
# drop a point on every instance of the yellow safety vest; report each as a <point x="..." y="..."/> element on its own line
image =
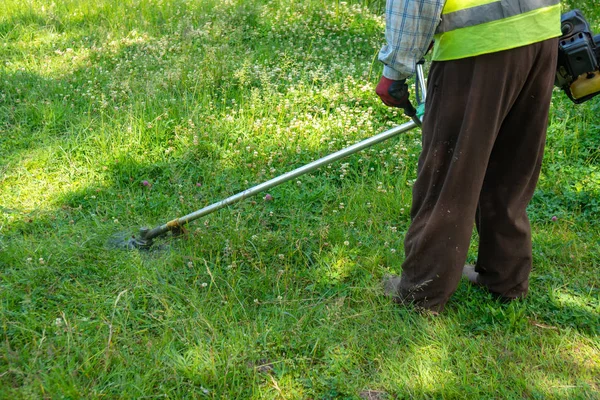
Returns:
<point x="473" y="27"/>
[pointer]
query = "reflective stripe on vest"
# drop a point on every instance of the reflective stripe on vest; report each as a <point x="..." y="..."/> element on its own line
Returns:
<point x="489" y="12"/>
<point x="474" y="27"/>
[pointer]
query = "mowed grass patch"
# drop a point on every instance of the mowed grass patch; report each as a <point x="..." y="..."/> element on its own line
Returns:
<point x="117" y="115"/>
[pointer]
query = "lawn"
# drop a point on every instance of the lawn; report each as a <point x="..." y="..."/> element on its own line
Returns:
<point x="120" y="114"/>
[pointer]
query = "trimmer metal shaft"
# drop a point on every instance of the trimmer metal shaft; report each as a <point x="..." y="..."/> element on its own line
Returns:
<point x="144" y="240"/>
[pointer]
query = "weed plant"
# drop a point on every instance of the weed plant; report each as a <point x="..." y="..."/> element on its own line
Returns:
<point x="121" y="114"/>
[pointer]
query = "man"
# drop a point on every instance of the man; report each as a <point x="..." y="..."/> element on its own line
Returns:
<point x="483" y="136"/>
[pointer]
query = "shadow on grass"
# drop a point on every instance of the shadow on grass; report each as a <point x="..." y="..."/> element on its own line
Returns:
<point x="566" y="306"/>
<point x="27" y="117"/>
<point x="564" y="203"/>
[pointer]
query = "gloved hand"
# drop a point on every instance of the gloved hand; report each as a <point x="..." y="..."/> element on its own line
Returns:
<point x="393" y="93"/>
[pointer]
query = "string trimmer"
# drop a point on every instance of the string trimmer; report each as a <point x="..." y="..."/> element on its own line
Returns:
<point x="144" y="238"/>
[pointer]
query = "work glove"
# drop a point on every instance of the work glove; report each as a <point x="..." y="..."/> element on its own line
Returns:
<point x="394" y="94"/>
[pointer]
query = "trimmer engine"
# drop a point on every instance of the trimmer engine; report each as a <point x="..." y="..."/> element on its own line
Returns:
<point x="578" y="70"/>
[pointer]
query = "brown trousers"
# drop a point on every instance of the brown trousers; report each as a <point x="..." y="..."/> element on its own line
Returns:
<point x="484" y="132"/>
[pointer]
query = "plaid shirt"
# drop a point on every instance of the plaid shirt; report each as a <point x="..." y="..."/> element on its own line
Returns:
<point x="409" y="30"/>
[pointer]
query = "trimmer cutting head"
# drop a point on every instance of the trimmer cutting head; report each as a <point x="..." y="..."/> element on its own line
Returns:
<point x="126" y="241"/>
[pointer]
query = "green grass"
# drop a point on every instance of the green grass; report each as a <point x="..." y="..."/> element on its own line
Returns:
<point x="278" y="299"/>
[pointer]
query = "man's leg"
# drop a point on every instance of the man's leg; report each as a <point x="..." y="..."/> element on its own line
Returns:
<point x="505" y="257"/>
<point x="467" y="103"/>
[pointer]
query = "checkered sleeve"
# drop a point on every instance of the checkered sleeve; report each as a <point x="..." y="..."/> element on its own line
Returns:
<point x="409" y="29"/>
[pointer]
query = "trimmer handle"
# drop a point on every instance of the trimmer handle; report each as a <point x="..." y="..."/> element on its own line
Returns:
<point x="409" y="110"/>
